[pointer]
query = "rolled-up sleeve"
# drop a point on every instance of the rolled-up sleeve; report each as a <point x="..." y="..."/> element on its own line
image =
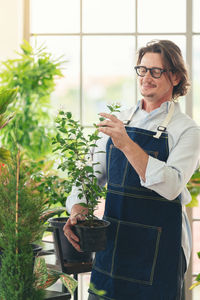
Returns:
<point x="73" y="199"/>
<point x="170" y="178"/>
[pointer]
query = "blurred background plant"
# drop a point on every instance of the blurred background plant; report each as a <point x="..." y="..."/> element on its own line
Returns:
<point x="194" y="188"/>
<point x="21" y="208"/>
<point x="7" y="96"/>
<point x="33" y="73"/>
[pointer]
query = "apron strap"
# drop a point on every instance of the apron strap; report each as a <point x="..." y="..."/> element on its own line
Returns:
<point x="162" y="128"/>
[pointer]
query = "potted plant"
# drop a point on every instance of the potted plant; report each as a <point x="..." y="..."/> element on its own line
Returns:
<point x="75" y="151"/>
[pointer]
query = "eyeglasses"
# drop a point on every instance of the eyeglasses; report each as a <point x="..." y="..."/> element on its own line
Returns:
<point x="155" y="72"/>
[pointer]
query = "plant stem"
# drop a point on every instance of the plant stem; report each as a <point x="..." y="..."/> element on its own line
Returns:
<point x="17" y="196"/>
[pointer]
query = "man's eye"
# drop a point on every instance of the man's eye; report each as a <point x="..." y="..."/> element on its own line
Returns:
<point x="142" y="70"/>
<point x="156" y="71"/>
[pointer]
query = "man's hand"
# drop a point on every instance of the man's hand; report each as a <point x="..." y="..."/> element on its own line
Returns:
<point x="136" y="156"/>
<point x="77" y="213"/>
<point x="115" y="129"/>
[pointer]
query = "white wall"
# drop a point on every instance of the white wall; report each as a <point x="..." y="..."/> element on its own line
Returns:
<point x="11" y="27"/>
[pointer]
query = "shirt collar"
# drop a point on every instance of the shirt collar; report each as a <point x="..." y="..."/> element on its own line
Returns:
<point x="164" y="107"/>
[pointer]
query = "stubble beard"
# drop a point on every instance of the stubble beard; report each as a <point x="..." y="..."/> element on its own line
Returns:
<point x="149" y="96"/>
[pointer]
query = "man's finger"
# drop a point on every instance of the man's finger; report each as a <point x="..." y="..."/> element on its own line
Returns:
<point x="109" y="116"/>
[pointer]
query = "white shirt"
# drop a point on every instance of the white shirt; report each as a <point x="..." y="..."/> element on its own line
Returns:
<point x="168" y="178"/>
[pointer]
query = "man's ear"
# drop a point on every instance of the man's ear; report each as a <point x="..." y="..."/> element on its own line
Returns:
<point x="175" y="79"/>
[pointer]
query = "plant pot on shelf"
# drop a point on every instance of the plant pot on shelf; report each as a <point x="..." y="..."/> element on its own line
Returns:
<point x="65" y="252"/>
<point x="92" y="234"/>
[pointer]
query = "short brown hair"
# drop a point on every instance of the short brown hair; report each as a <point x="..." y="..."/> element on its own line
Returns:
<point x="173" y="61"/>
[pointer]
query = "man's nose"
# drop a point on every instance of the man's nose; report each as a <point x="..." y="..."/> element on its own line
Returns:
<point x="147" y="74"/>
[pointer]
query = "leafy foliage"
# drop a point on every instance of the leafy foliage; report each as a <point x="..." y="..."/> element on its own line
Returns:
<point x="46" y="277"/>
<point x="7" y="96"/>
<point x="33" y="73"/>
<point x="47" y="181"/>
<point x="194" y="188"/>
<point x="75" y="153"/>
<point x="17" y="234"/>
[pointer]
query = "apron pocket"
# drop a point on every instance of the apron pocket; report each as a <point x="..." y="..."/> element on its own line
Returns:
<point x="135" y="252"/>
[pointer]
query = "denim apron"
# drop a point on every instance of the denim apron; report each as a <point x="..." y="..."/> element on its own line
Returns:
<point x="141" y="260"/>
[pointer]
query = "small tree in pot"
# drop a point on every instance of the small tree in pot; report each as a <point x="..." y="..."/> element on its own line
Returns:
<point x="76" y="151"/>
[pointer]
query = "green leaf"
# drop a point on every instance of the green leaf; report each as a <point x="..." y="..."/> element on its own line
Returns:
<point x="40" y="272"/>
<point x="69" y="282"/>
<point x="7" y="97"/>
<point x="69" y="115"/>
<point x="5" y="156"/>
<point x="83" y="204"/>
<point x="26" y="47"/>
<point x="198" y="277"/>
<point x="97" y="292"/>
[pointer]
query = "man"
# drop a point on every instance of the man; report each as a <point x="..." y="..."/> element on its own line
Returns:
<point x="151" y="153"/>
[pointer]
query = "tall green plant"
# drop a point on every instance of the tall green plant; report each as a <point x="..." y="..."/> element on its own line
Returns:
<point x="33" y="73"/>
<point x="21" y="209"/>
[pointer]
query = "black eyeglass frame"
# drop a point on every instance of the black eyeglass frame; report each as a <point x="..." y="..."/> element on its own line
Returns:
<point x="151" y="71"/>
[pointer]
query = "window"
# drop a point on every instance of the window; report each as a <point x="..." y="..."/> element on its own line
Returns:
<point x="99" y="39"/>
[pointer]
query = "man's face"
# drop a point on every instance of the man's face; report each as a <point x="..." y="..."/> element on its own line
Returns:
<point x="155" y="90"/>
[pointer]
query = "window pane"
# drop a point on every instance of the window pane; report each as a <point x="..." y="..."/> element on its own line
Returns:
<point x="108" y="74"/>
<point x="196" y="19"/>
<point x="196" y="211"/>
<point x="108" y="16"/>
<point x="179" y="40"/>
<point x="195" y="79"/>
<point x="161" y="16"/>
<point x="66" y="94"/>
<point x="196" y="293"/>
<point x="54" y="16"/>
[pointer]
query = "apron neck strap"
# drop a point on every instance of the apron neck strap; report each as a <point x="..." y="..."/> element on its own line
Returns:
<point x="162" y="128"/>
